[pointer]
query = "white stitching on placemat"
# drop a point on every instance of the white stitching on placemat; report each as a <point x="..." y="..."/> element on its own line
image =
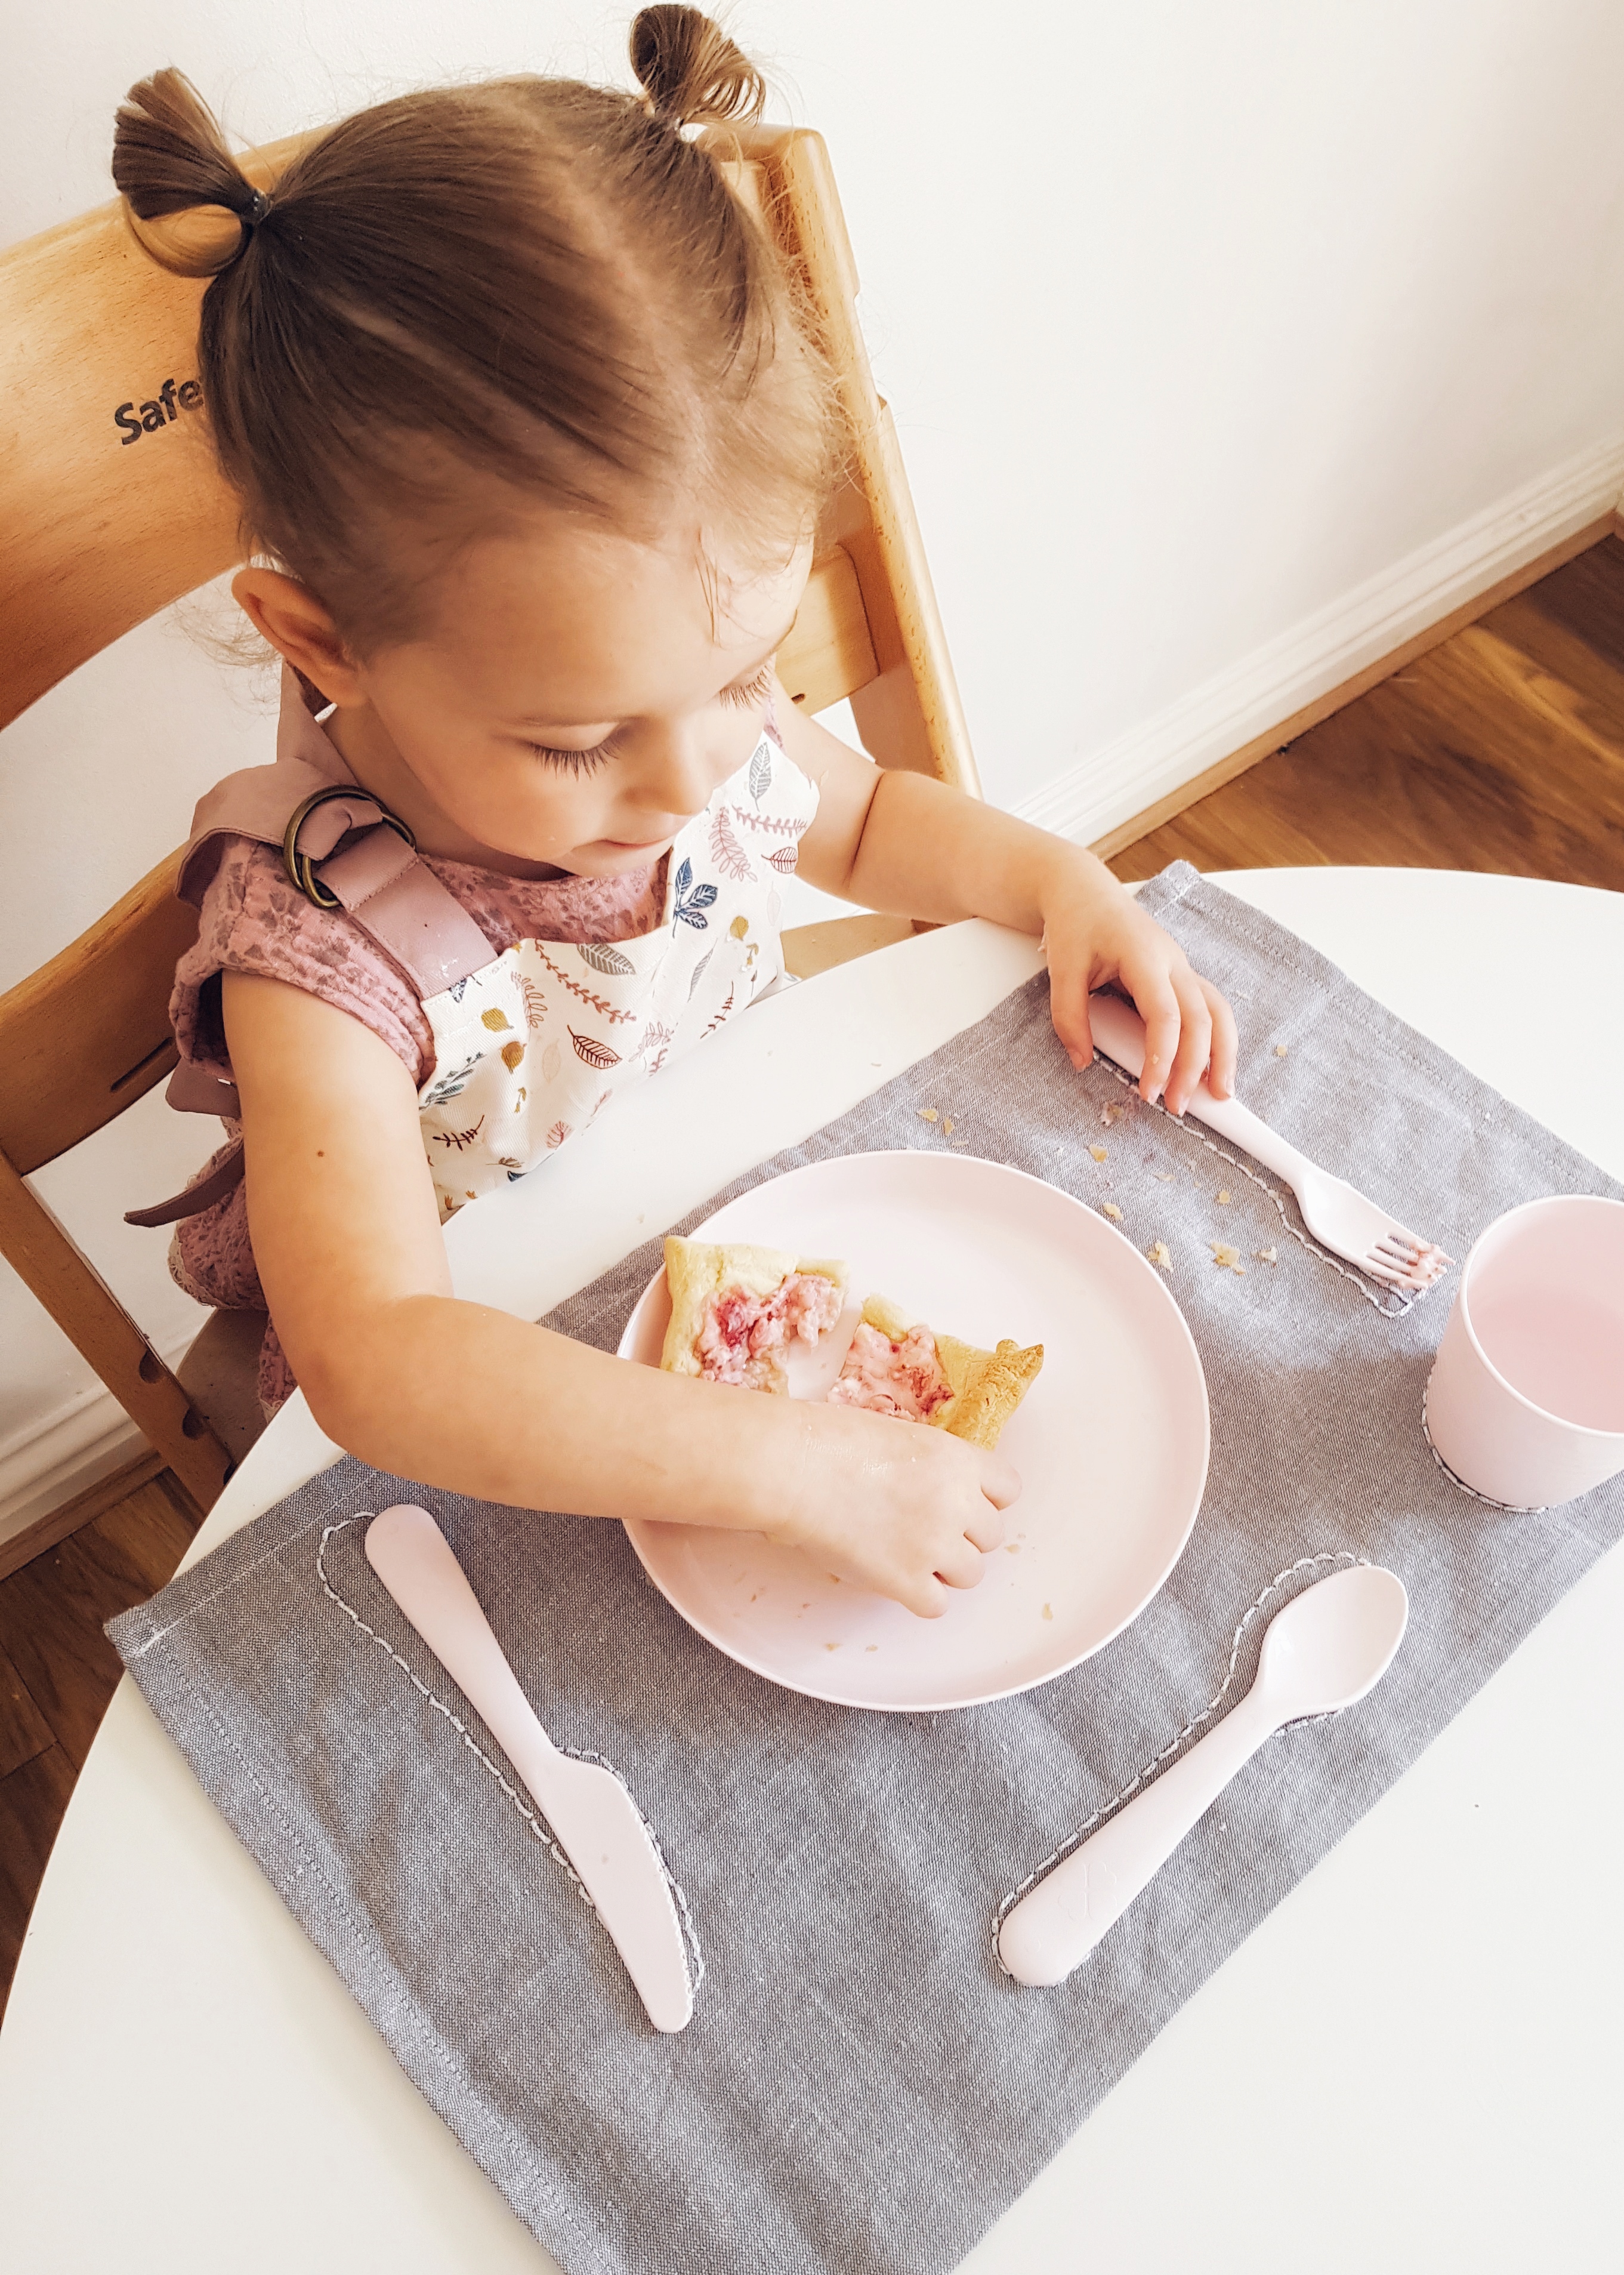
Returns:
<point x="530" y="1815"/>
<point x="1396" y="1311"/>
<point x="1511" y="1507"/>
<point x="1109" y="1807"/>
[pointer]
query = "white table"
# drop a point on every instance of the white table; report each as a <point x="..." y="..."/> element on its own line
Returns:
<point x="1414" y="2064"/>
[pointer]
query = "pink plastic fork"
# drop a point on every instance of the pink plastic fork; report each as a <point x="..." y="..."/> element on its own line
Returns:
<point x="1340" y="1217"/>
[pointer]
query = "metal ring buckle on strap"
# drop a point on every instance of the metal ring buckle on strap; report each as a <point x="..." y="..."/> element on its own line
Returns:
<point x="300" y="868"/>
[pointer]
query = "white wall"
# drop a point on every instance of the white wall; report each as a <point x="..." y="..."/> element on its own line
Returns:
<point x="1229" y="340"/>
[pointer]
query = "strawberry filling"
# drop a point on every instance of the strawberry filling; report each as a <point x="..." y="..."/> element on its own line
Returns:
<point x="904" y="1379"/>
<point x="741" y="1335"/>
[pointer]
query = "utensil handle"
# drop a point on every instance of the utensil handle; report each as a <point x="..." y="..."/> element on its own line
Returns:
<point x="415" y="1561"/>
<point x="1119" y="1031"/>
<point x="1054" y="1928"/>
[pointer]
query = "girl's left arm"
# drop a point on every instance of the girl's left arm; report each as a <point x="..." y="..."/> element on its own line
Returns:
<point x="908" y="845"/>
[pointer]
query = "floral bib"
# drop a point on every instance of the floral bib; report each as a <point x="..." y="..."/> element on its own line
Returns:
<point x="532" y="1047"/>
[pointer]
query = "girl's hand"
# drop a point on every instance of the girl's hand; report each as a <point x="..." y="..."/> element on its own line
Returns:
<point x="896" y="842"/>
<point x="892" y="1506"/>
<point x="1095" y="932"/>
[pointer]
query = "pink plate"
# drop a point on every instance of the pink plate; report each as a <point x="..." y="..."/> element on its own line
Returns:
<point x="1110" y="1443"/>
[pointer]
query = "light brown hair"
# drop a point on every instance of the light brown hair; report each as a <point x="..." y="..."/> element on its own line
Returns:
<point x="531" y="286"/>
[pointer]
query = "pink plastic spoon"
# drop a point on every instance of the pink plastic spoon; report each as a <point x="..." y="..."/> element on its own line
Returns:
<point x="1325" y="1650"/>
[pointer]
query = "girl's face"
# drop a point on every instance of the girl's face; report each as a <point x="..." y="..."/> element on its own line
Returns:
<point x="578" y="700"/>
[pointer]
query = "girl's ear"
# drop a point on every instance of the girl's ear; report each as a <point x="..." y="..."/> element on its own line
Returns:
<point x="298" y="627"/>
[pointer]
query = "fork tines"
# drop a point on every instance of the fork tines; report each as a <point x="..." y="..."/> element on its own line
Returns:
<point x="1407" y="1261"/>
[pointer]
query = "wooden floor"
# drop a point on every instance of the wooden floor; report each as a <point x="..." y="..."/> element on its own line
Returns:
<point x="1502" y="749"/>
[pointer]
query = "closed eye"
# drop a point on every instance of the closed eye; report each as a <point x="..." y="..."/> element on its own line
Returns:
<point x="575" y="762"/>
<point x="746" y="694"/>
<point x="743" y="695"/>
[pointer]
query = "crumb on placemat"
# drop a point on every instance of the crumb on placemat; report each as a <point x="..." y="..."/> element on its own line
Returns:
<point x="1227" y="1258"/>
<point x="1267" y="1256"/>
<point x="1112" y="1210"/>
<point x="1099" y="1151"/>
<point x="1159" y="1254"/>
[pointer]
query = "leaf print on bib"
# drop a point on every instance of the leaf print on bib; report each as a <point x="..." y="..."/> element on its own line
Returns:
<point x="460" y="1138"/>
<point x="609" y="961"/>
<point x="593" y="1054"/>
<point x="688" y="907"/>
<point x="641" y="1000"/>
<point x="726" y="851"/>
<point x="449" y="1086"/>
<point x="587" y="996"/>
<point x="721" y="1015"/>
<point x="772" y="825"/>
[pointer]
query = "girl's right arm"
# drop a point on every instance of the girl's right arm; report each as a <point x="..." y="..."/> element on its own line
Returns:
<point x="403" y="1375"/>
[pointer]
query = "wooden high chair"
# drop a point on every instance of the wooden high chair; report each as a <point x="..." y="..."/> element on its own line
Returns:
<point x="112" y="509"/>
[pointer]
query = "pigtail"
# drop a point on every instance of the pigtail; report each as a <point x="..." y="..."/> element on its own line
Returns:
<point x="529" y="286"/>
<point x="692" y="73"/>
<point x="188" y="202"/>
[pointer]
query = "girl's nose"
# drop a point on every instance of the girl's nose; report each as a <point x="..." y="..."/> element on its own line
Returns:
<point x="676" y="774"/>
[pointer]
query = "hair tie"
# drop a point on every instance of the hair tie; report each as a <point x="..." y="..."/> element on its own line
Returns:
<point x="255" y="211"/>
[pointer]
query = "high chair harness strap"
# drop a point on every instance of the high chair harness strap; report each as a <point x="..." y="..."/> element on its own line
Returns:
<point x="343" y="849"/>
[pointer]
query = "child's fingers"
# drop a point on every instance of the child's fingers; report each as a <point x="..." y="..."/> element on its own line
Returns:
<point x="1158" y="1007"/>
<point x="1068" y="1010"/>
<point x="1001" y="1480"/>
<point x="962" y="1564"/>
<point x="988" y="1528"/>
<point x="1220" y="1074"/>
<point x="1195" y="1043"/>
<point x="926" y="1599"/>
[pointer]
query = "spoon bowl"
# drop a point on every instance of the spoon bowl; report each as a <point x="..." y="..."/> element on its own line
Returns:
<point x="1333" y="1644"/>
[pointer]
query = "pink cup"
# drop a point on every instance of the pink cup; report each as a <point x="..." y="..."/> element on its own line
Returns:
<point x="1526" y="1398"/>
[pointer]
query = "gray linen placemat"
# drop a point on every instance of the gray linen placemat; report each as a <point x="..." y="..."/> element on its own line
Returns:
<point x="861" y="2090"/>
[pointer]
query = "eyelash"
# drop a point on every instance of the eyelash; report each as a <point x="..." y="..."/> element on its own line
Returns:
<point x="742" y="696"/>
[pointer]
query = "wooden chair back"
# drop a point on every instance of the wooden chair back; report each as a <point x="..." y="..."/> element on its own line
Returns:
<point x="113" y="509"/>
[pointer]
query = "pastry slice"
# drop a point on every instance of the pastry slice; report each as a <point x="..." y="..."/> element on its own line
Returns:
<point x="894" y="1367"/>
<point x="736" y="1308"/>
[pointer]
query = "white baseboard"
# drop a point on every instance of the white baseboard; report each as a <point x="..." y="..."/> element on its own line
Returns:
<point x="47" y="1462"/>
<point x="1157" y="757"/>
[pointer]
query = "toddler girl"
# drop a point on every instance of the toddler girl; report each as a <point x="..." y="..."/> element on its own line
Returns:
<point x="530" y="434"/>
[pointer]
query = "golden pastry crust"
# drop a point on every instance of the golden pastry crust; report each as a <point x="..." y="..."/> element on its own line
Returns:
<point x="696" y="1270"/>
<point x="987" y="1386"/>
